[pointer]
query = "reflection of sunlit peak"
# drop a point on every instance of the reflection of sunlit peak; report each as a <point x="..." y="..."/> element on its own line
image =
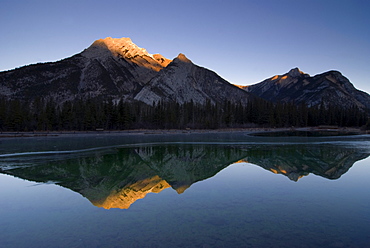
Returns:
<point x="182" y="189"/>
<point x="123" y="198"/>
<point x="283" y="171"/>
<point x="290" y="174"/>
<point x="300" y="177"/>
<point x="241" y="161"/>
<point x="240" y="86"/>
<point x="274" y="171"/>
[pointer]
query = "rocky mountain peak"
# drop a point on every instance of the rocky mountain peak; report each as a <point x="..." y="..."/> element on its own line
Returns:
<point x="183" y="58"/>
<point x="184" y="82"/>
<point x="330" y="88"/>
<point x="295" y="72"/>
<point x="122" y="50"/>
<point x="336" y="77"/>
<point x="162" y="60"/>
<point x="122" y="47"/>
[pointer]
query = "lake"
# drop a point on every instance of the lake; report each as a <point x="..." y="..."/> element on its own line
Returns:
<point x="184" y="190"/>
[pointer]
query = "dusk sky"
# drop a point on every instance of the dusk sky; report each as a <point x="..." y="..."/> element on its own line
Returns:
<point x="245" y="41"/>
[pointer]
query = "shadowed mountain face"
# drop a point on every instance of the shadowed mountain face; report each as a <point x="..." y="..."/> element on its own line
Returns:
<point x="329" y="88"/>
<point x="116" y="178"/>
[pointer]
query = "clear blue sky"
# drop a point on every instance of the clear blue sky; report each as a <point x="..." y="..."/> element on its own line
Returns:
<point x="243" y="41"/>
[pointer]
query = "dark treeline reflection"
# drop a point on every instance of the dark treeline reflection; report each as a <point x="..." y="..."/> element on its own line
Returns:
<point x="116" y="178"/>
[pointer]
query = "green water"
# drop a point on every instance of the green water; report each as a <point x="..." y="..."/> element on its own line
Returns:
<point x="185" y="190"/>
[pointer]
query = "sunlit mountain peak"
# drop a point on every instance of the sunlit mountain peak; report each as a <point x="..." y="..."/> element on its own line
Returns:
<point x="183" y="58"/>
<point x="123" y="46"/>
<point x="181" y="189"/>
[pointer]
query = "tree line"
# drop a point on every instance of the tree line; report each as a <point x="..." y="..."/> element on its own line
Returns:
<point x="93" y="114"/>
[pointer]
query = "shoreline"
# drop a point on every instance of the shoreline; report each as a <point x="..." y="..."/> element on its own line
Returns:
<point x="342" y="130"/>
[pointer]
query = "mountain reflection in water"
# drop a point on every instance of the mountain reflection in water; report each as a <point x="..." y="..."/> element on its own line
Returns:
<point x="294" y="161"/>
<point x="118" y="177"/>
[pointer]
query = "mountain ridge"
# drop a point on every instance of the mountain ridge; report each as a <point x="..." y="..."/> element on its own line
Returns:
<point x="182" y="81"/>
<point x="113" y="68"/>
<point x="328" y="88"/>
<point x="115" y="84"/>
<point x="118" y="69"/>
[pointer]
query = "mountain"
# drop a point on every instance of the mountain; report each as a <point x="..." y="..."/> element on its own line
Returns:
<point x="114" y="84"/>
<point x="115" y="68"/>
<point x="294" y="161"/>
<point x="118" y="69"/>
<point x="182" y="81"/>
<point x="329" y="88"/>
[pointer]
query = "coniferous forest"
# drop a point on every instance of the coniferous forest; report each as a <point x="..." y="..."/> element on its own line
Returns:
<point x="93" y="114"/>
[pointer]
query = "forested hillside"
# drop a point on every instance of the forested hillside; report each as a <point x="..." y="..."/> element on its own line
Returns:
<point x="83" y="115"/>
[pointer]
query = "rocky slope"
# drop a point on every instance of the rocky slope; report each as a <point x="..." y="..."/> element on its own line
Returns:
<point x="182" y="81"/>
<point x="329" y="88"/>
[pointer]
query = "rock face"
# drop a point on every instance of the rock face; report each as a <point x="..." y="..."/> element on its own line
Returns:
<point x="119" y="69"/>
<point x="182" y="81"/>
<point x="329" y="88"/>
<point x="120" y="66"/>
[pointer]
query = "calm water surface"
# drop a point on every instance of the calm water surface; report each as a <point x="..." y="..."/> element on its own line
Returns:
<point x="184" y="190"/>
